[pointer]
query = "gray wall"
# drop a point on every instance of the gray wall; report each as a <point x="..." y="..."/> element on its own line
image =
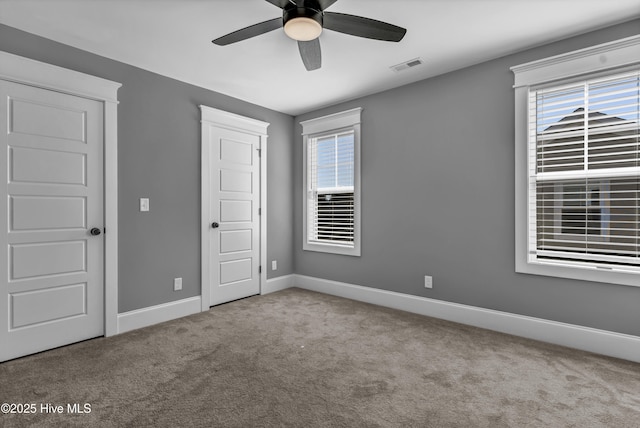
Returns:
<point x="437" y="192"/>
<point x="438" y="199"/>
<point x="159" y="158"/>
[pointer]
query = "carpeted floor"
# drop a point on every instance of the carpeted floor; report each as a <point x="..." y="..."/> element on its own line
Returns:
<point x="301" y="359"/>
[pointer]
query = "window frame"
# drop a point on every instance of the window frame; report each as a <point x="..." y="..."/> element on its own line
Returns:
<point x="345" y="121"/>
<point x="601" y="60"/>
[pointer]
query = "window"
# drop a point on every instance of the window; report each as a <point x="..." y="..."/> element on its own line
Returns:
<point x="578" y="164"/>
<point x="331" y="183"/>
<point x="585" y="165"/>
<point x="331" y="188"/>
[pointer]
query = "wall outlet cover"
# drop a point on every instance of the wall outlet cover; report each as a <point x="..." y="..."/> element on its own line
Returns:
<point x="144" y="204"/>
<point x="428" y="281"/>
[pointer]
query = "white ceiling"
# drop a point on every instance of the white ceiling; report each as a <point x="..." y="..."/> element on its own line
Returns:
<point x="173" y="38"/>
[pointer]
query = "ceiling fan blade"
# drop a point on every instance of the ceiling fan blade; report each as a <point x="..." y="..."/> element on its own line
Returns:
<point x="326" y="3"/>
<point x="248" y="32"/>
<point x="311" y="54"/>
<point x="363" y="27"/>
<point x="280" y="3"/>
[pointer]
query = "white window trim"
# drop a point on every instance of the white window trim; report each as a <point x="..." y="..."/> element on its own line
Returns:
<point x="604" y="58"/>
<point x="346" y="120"/>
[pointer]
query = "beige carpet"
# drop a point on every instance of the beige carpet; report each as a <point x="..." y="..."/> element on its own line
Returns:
<point x="302" y="359"/>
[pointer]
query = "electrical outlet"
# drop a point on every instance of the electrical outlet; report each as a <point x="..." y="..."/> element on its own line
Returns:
<point x="428" y="281"/>
<point x="177" y="284"/>
<point x="144" y="204"/>
<point x="274" y="265"/>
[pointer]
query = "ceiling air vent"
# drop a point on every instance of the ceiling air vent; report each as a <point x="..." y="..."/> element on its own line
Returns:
<point x="407" y="64"/>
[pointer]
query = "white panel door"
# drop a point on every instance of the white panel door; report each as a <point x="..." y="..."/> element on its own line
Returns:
<point x="235" y="198"/>
<point x="51" y="159"/>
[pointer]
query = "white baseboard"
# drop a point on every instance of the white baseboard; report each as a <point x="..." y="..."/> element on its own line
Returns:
<point x="166" y="312"/>
<point x="573" y="336"/>
<point x="145" y="317"/>
<point x="276" y="284"/>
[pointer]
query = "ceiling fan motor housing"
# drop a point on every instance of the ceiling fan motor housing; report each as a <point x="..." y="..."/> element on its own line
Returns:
<point x="308" y="17"/>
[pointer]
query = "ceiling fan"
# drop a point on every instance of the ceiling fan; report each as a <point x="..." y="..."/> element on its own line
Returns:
<point x="304" y="20"/>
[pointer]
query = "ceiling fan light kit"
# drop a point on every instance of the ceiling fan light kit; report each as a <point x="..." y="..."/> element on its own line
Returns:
<point x="302" y="24"/>
<point x="304" y="20"/>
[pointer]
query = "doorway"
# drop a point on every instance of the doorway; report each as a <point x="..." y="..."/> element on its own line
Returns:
<point x="233" y="206"/>
<point x="58" y="135"/>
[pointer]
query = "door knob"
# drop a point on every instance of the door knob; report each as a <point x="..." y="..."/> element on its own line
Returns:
<point x="95" y="231"/>
<point x="215" y="225"/>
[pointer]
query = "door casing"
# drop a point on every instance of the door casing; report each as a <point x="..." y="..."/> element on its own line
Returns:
<point x="222" y="119"/>
<point x="26" y="71"/>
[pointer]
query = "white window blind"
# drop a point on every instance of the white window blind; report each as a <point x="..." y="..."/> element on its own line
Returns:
<point x="331" y="175"/>
<point x="584" y="172"/>
<point x="330" y="189"/>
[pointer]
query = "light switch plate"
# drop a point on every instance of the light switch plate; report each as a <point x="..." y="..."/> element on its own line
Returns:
<point x="144" y="204"/>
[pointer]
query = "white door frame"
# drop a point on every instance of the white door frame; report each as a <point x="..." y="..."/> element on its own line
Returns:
<point x="26" y="71"/>
<point x="222" y="119"/>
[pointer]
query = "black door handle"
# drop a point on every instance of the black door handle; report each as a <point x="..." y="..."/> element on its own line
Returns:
<point x="215" y="225"/>
<point x="95" y="231"/>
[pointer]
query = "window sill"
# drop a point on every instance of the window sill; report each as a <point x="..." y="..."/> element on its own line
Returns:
<point x="579" y="272"/>
<point x="332" y="248"/>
